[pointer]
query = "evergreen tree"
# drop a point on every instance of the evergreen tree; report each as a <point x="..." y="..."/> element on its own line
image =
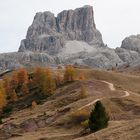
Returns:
<point x="98" y="118"/>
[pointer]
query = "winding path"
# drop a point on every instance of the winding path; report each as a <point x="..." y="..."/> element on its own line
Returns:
<point x="112" y="88"/>
<point x="110" y="85"/>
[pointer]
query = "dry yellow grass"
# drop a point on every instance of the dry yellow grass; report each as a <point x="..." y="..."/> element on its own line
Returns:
<point x="120" y="80"/>
<point x="123" y="111"/>
<point x="117" y="130"/>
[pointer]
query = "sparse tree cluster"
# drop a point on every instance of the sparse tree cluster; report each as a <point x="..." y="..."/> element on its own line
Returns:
<point x="20" y="83"/>
<point x="17" y="84"/>
<point x="44" y="80"/>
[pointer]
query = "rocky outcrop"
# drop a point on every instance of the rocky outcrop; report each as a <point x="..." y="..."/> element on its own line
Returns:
<point x="132" y="43"/>
<point x="49" y="33"/>
<point x="21" y="59"/>
<point x="126" y="55"/>
<point x="129" y="52"/>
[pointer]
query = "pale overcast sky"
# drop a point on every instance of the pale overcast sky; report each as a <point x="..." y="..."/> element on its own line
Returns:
<point x="115" y="19"/>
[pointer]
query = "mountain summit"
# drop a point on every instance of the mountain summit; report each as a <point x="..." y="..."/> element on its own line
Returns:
<point x="50" y="34"/>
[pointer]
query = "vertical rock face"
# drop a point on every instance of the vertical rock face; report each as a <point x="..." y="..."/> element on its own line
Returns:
<point x="49" y="33"/>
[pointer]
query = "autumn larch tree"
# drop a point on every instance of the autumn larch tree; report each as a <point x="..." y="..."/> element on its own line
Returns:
<point x="70" y="74"/>
<point x="13" y="82"/>
<point x="44" y="80"/>
<point x="2" y="96"/>
<point x="81" y="76"/>
<point x="24" y="89"/>
<point x="22" y="76"/>
<point x="7" y="85"/>
<point x="13" y="96"/>
<point x="58" y="79"/>
<point x="49" y="82"/>
<point x="38" y="78"/>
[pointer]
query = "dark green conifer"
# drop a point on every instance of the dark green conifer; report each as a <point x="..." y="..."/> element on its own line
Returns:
<point x="98" y="118"/>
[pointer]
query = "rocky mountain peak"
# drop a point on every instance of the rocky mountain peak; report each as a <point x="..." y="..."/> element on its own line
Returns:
<point x="131" y="43"/>
<point x="49" y="34"/>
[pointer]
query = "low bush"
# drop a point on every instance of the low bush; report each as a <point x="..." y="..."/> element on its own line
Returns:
<point x="0" y="120"/>
<point x="83" y="92"/>
<point x="7" y="109"/>
<point x="79" y="116"/>
<point x="85" y="123"/>
<point x="34" y="104"/>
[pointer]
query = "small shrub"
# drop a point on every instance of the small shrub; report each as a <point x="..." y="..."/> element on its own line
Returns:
<point x="14" y="96"/>
<point x="39" y="102"/>
<point x="85" y="123"/>
<point x="34" y="104"/>
<point x="0" y="120"/>
<point x="69" y="74"/>
<point x="82" y="76"/>
<point x="79" y="116"/>
<point x="114" y="68"/>
<point x="83" y="93"/>
<point x="7" y="109"/>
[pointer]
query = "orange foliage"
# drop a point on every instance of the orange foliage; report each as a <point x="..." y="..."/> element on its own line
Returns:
<point x="16" y="83"/>
<point x="69" y="75"/>
<point x="7" y="85"/>
<point x="24" y="89"/>
<point x="82" y="76"/>
<point x="14" y="96"/>
<point x="22" y="76"/>
<point x="59" y="79"/>
<point x="34" y="104"/>
<point x="49" y="82"/>
<point x="38" y="76"/>
<point x="83" y="92"/>
<point x="44" y="80"/>
<point x="13" y="81"/>
<point x="2" y="96"/>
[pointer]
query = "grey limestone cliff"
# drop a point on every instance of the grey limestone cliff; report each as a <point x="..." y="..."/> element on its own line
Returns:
<point x="131" y="43"/>
<point x="49" y="33"/>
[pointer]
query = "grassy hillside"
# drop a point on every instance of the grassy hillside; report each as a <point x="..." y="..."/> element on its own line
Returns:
<point x="121" y="80"/>
<point x="61" y="116"/>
